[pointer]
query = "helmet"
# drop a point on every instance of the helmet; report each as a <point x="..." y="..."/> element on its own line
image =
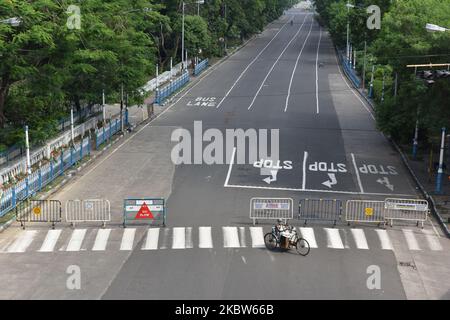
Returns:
<point x="280" y="220"/>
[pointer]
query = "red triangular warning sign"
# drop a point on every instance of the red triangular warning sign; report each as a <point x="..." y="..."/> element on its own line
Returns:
<point x="144" y="213"/>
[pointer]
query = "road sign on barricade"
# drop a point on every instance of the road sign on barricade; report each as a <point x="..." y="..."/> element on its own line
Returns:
<point x="91" y="210"/>
<point x="365" y="211"/>
<point x="150" y="211"/>
<point x="271" y="208"/>
<point x="406" y="209"/>
<point x="38" y="211"/>
<point x="320" y="209"/>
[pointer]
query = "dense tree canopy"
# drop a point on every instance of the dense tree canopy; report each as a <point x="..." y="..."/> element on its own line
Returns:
<point x="65" y="53"/>
<point x="402" y="40"/>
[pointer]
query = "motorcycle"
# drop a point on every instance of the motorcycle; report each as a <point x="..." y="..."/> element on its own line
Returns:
<point x="286" y="240"/>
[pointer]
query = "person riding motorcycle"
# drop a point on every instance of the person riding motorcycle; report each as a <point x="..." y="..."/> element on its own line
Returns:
<point x="292" y="22"/>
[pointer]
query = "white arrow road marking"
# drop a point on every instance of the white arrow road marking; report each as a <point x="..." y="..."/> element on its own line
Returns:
<point x="385" y="181"/>
<point x="273" y="178"/>
<point x="331" y="182"/>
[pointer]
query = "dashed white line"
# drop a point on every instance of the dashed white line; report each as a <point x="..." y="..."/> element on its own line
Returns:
<point x="76" y="240"/>
<point x="360" y="239"/>
<point x="257" y="235"/>
<point x="275" y="63"/>
<point x="295" y="68"/>
<point x="334" y="239"/>
<point x="230" y="167"/>
<point x="230" y="237"/>
<point x="317" y="72"/>
<point x="179" y="238"/>
<point x="433" y="241"/>
<point x="250" y="64"/>
<point x="308" y="235"/>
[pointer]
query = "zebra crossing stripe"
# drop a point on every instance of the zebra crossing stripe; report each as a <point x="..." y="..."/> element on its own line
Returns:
<point x="23" y="241"/>
<point x="384" y="239"/>
<point x="127" y="239"/>
<point x="334" y="239"/>
<point x="101" y="239"/>
<point x="230" y="237"/>
<point x="151" y="243"/>
<point x="165" y="238"/>
<point x="308" y="235"/>
<point x="189" y="243"/>
<point x="257" y="237"/>
<point x="360" y="239"/>
<point x="432" y="239"/>
<point x="205" y="238"/>
<point x="50" y="241"/>
<point x="242" y="238"/>
<point x="76" y="240"/>
<point x="411" y="239"/>
<point x="179" y="238"/>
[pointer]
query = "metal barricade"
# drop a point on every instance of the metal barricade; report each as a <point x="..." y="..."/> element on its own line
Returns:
<point x="406" y="209"/>
<point x="365" y="211"/>
<point x="151" y="211"/>
<point x="271" y="208"/>
<point x="320" y="209"/>
<point x="91" y="210"/>
<point x="38" y="211"/>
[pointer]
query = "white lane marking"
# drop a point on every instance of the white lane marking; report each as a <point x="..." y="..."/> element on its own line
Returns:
<point x="250" y="64"/>
<point x="179" y="238"/>
<point x="128" y="239"/>
<point x="230" y="167"/>
<point x="317" y="72"/>
<point x="242" y="237"/>
<point x="243" y="259"/>
<point x="295" y="68"/>
<point x="305" y="157"/>
<point x="230" y="237"/>
<point x="76" y="240"/>
<point x="308" y="235"/>
<point x="433" y="241"/>
<point x="151" y="242"/>
<point x="384" y="239"/>
<point x="165" y="239"/>
<point x="189" y="243"/>
<point x="360" y="239"/>
<point x="101" y="239"/>
<point x="23" y="241"/>
<point x="357" y="174"/>
<point x="334" y="239"/>
<point x="205" y="238"/>
<point x="275" y="63"/>
<point x="411" y="239"/>
<point x="257" y="235"/>
<point x="50" y="241"/>
<point x="345" y="80"/>
<point x="315" y="190"/>
<point x="434" y="229"/>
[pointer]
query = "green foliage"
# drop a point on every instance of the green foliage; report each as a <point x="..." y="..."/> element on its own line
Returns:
<point x="402" y="40"/>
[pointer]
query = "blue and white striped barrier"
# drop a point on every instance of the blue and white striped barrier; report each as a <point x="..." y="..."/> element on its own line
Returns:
<point x="40" y="178"/>
<point x="200" y="67"/>
<point x="165" y="92"/>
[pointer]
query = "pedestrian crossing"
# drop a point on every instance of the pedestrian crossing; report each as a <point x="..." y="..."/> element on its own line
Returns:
<point x="207" y="237"/>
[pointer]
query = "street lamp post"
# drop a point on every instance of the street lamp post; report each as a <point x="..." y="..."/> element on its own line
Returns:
<point x="348" y="5"/>
<point x="441" y="163"/>
<point x="371" y="82"/>
<point x="182" y="40"/>
<point x="416" y="137"/>
<point x="27" y="147"/>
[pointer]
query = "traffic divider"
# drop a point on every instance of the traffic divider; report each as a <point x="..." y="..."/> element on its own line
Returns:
<point x="406" y="209"/>
<point x="365" y="211"/>
<point x="200" y="67"/>
<point x="92" y="210"/>
<point x="44" y="211"/>
<point x="320" y="209"/>
<point x="150" y="211"/>
<point x="165" y="92"/>
<point x="271" y="208"/>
